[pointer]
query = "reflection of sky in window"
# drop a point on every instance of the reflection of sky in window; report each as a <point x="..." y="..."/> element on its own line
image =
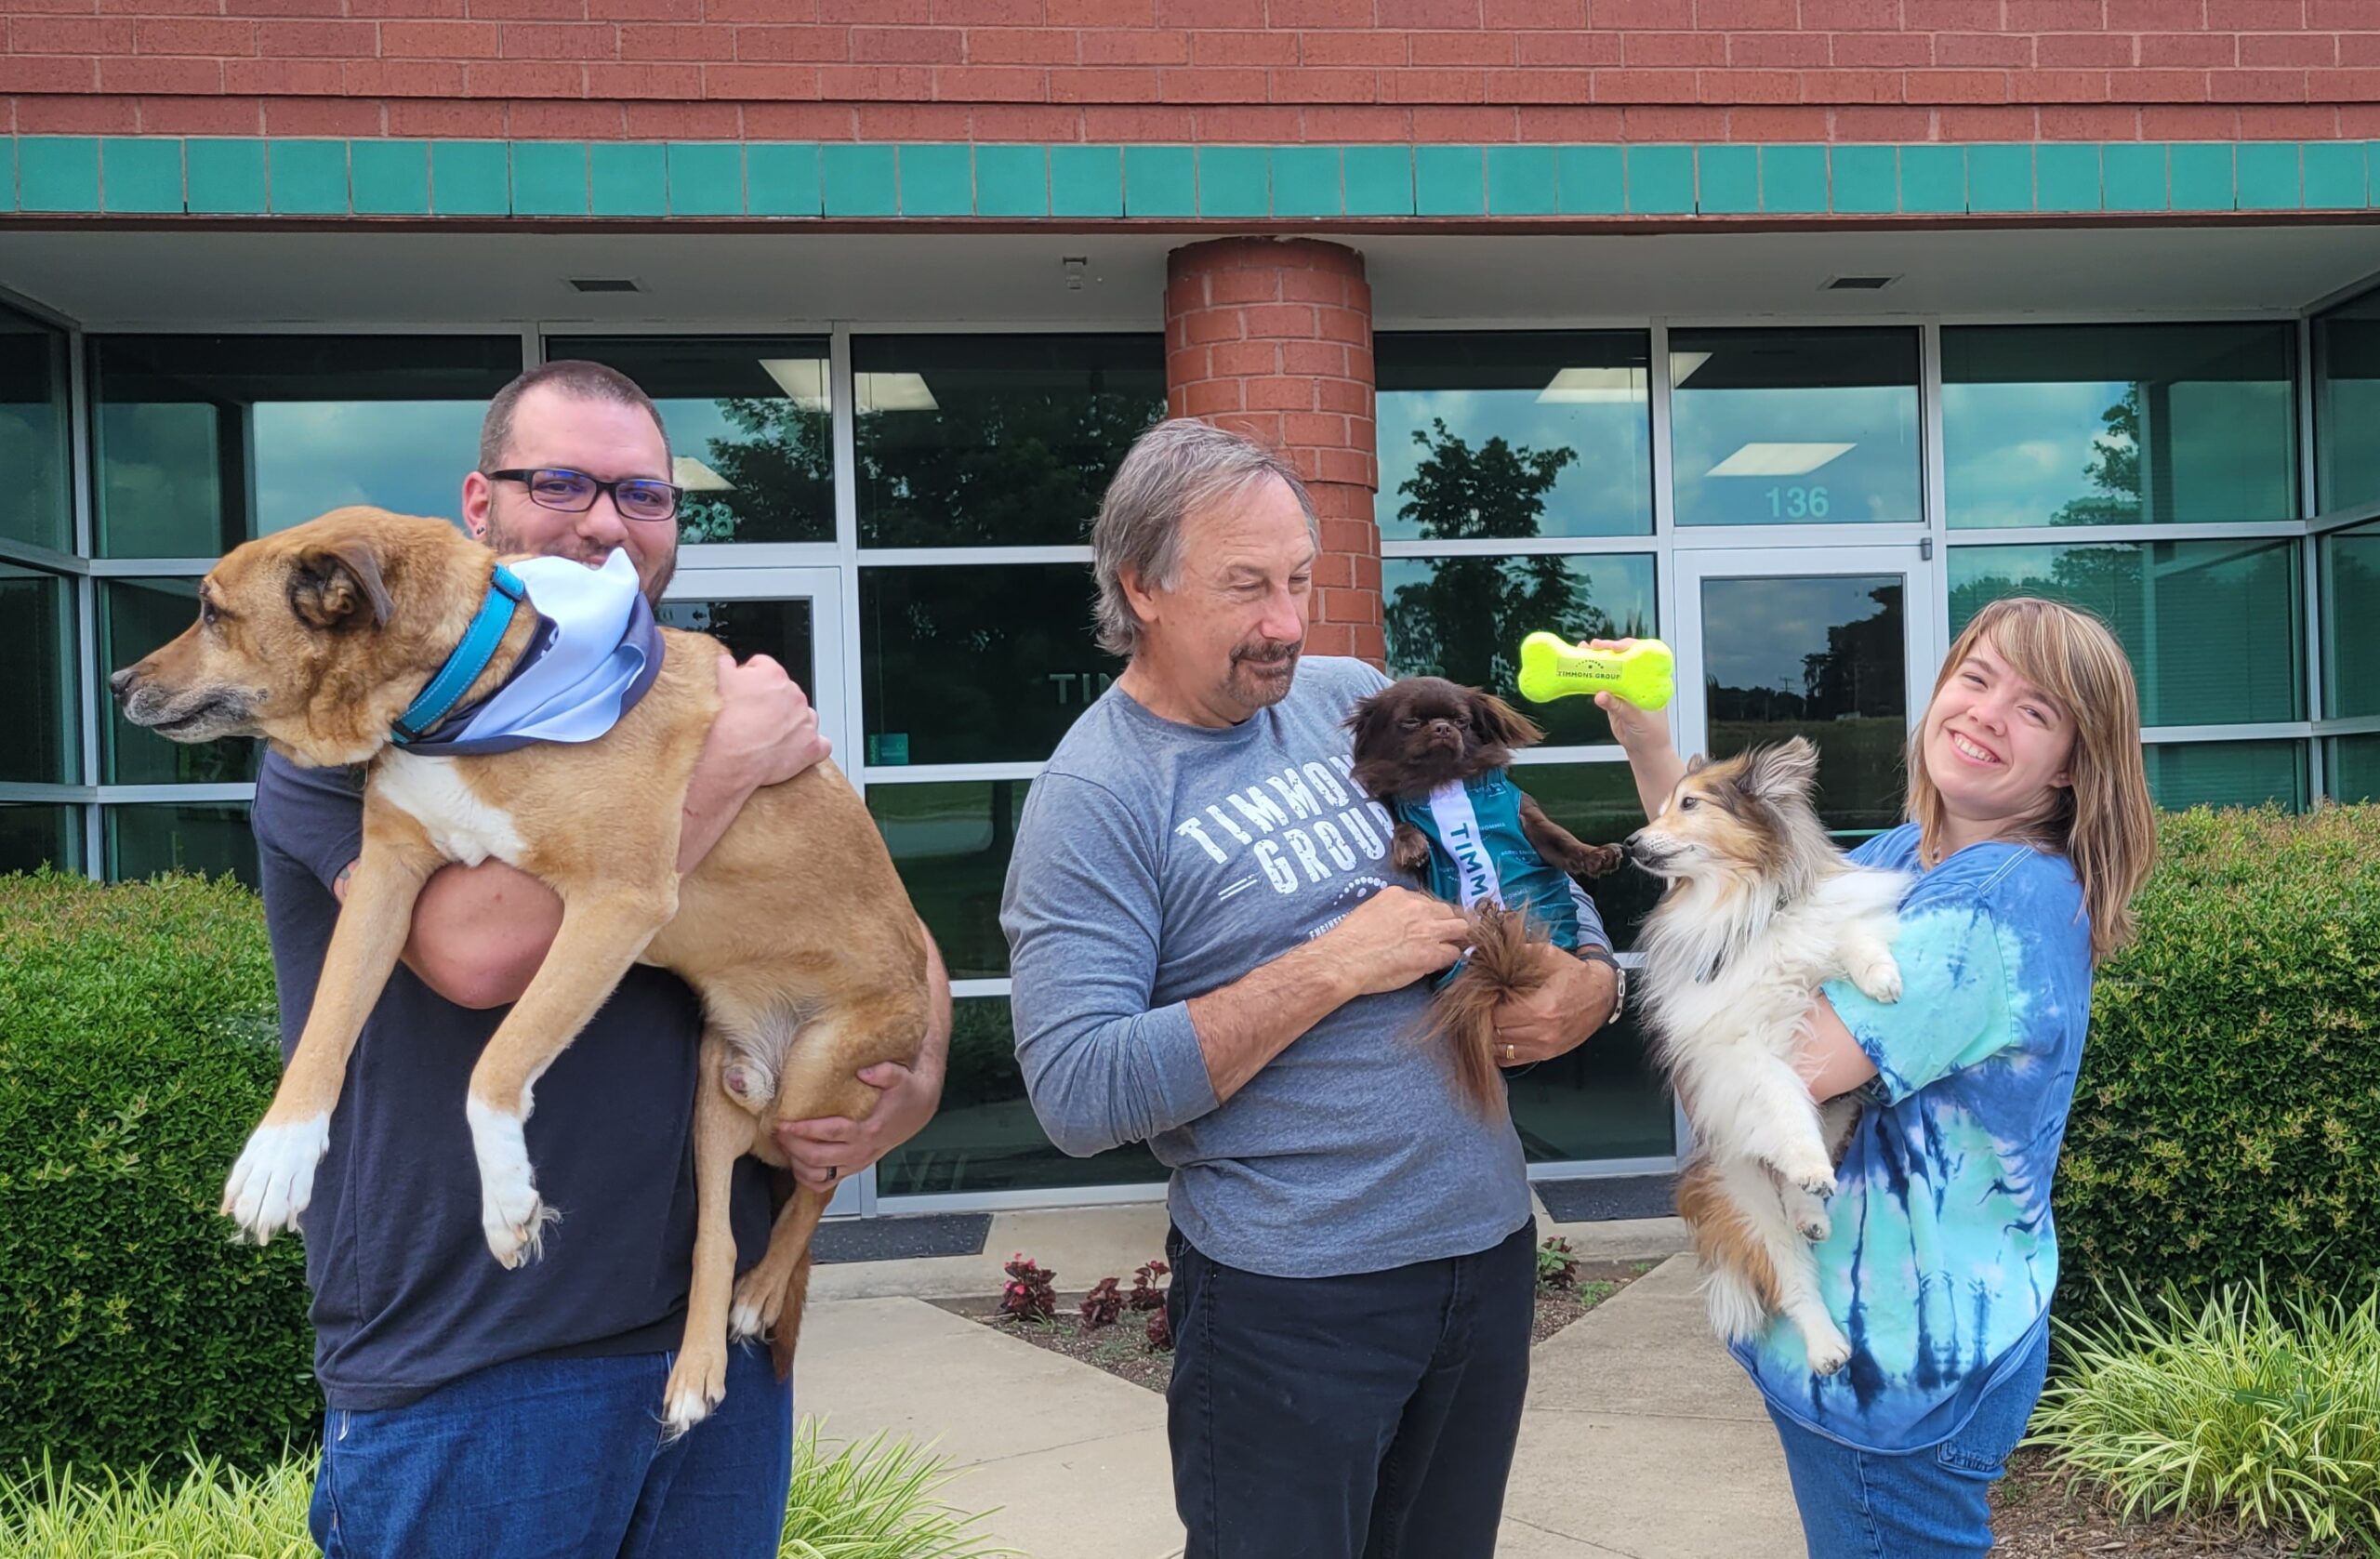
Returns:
<point x="1607" y="491"/>
<point x="1757" y="632"/>
<point x="2017" y="453"/>
<point x="1874" y="479"/>
<point x="407" y="455"/>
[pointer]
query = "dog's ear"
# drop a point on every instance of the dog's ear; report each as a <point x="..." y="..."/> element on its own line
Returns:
<point x="338" y="586"/>
<point x="1371" y="715"/>
<point x="1787" y="769"/>
<point x="1503" y="724"/>
<point x="1696" y="764"/>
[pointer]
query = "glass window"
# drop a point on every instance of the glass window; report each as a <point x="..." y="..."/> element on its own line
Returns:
<point x="2350" y="622"/>
<point x="996" y="441"/>
<point x="977" y="665"/>
<point x="1795" y="427"/>
<point x="2347" y="404"/>
<point x="985" y="1137"/>
<point x="780" y="629"/>
<point x="2354" y="768"/>
<point x="1464" y="618"/>
<point x="2185" y="775"/>
<point x="1601" y="1100"/>
<point x="752" y="426"/>
<point x="1515" y="434"/>
<point x="205" y="441"/>
<point x="207" y="837"/>
<point x="951" y="842"/>
<point x="37" y="640"/>
<point x="33" y="833"/>
<point x="33" y="446"/>
<point x="135" y="616"/>
<point x="1597" y="803"/>
<point x="2214" y="628"/>
<point x="1823" y="656"/>
<point x="2114" y="425"/>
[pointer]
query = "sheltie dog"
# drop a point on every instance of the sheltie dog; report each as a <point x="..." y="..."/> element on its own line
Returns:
<point x="1760" y="910"/>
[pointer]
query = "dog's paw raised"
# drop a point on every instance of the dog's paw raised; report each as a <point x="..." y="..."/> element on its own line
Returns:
<point x="273" y="1181"/>
<point x="757" y="1302"/>
<point x="1878" y="980"/>
<point x="1815" y="1177"/>
<point x="1814" y="1227"/>
<point x="697" y="1384"/>
<point x="516" y="1229"/>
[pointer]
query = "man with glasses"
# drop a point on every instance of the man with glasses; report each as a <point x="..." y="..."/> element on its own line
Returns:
<point x="477" y="1411"/>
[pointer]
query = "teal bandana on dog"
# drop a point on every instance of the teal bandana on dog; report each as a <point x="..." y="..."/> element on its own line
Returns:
<point x="1942" y="1255"/>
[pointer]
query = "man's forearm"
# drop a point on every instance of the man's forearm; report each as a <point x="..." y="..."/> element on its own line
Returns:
<point x="713" y="797"/>
<point x="1245" y="1025"/>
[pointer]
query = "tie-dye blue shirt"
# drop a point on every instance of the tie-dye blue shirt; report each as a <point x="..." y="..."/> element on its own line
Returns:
<point x="1942" y="1257"/>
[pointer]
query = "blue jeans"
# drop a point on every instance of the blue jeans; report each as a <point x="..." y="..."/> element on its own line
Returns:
<point x="559" y="1459"/>
<point x="1329" y="1418"/>
<point x="1934" y="1504"/>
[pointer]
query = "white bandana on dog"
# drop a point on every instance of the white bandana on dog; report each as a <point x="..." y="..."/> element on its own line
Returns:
<point x="596" y="652"/>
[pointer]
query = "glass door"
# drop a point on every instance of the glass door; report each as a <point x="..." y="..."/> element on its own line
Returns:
<point x="795" y="616"/>
<point x="1836" y="645"/>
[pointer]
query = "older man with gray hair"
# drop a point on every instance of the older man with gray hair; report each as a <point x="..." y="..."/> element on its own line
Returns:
<point x="1212" y="953"/>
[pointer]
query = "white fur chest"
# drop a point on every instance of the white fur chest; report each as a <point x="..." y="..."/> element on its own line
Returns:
<point x="432" y="792"/>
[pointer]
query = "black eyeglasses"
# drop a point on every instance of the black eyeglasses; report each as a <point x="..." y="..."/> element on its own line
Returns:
<point x="637" y="497"/>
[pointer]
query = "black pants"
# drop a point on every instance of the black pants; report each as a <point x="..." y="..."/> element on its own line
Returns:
<point x="1370" y="1416"/>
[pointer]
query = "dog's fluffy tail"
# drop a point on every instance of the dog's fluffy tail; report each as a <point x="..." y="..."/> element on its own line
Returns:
<point x="1739" y="1281"/>
<point x="1501" y="962"/>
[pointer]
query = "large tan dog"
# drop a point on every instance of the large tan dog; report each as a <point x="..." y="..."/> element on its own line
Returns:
<point x="794" y="929"/>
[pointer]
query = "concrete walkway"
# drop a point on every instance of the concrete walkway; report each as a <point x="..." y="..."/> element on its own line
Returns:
<point x="1641" y="1437"/>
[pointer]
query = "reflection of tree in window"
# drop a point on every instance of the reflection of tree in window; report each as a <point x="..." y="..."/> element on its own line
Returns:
<point x="1467" y="619"/>
<point x="2114" y="470"/>
<point x="780" y="477"/>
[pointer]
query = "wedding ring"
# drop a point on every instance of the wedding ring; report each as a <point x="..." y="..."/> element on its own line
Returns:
<point x="832" y="1172"/>
<point x="1508" y="1055"/>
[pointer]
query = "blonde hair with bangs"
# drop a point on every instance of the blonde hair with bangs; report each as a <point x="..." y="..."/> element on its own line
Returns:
<point x="2101" y="822"/>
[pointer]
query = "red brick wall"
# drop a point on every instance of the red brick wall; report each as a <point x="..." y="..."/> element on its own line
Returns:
<point x="1274" y="338"/>
<point x="1268" y="71"/>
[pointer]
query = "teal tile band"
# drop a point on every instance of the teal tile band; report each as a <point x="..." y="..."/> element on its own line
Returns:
<point x="211" y="176"/>
<point x="58" y="173"/>
<point x="469" y="178"/>
<point x="627" y="179"/>
<point x="389" y="177"/>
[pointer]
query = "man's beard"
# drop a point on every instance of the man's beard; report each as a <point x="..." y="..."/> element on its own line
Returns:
<point x="501" y="542"/>
<point x="1261" y="673"/>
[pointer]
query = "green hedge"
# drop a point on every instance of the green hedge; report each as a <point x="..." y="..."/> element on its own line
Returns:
<point x="2228" y="1117"/>
<point x="137" y="1049"/>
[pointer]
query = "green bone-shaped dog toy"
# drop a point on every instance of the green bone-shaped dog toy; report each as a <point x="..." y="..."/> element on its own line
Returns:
<point x="1553" y="667"/>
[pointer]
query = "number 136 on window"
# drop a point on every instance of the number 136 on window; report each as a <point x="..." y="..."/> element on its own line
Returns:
<point x="1797" y="503"/>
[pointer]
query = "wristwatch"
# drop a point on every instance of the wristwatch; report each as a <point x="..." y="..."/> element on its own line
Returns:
<point x="1619" y="979"/>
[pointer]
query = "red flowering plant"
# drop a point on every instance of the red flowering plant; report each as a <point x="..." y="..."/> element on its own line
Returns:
<point x="1029" y="1294"/>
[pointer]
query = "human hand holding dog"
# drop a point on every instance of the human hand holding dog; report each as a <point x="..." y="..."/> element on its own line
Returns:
<point x="823" y="1150"/>
<point x="765" y="732"/>
<point x="1393" y="938"/>
<point x="1558" y="1016"/>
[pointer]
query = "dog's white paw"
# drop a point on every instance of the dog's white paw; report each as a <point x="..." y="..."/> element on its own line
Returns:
<point x="1828" y="1353"/>
<point x="1814" y="1227"/>
<point x="697" y="1384"/>
<point x="1816" y="1176"/>
<point x="274" y="1179"/>
<point x="512" y="1216"/>
<point x="754" y="1312"/>
<point x="1878" y="980"/>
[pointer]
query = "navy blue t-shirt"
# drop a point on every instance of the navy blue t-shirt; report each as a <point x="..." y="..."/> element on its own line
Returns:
<point x="406" y="1297"/>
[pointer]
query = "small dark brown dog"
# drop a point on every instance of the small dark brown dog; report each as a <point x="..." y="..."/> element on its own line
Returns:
<point x="795" y="929"/>
<point x="1433" y="753"/>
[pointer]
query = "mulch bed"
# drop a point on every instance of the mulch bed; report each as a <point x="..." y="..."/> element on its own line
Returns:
<point x="1122" y="1349"/>
<point x="2040" y="1514"/>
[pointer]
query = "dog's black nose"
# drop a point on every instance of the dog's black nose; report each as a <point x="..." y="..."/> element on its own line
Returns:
<point x="1631" y="848"/>
<point x="121" y="684"/>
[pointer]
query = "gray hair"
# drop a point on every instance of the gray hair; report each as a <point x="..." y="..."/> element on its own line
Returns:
<point x="1174" y="469"/>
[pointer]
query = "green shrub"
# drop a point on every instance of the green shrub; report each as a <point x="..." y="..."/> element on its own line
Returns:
<point x="137" y="1049"/>
<point x="2228" y="1411"/>
<point x="2228" y="1117"/>
<point x="879" y="1499"/>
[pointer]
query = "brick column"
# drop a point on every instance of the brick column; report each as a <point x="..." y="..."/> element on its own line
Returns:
<point x="1272" y="337"/>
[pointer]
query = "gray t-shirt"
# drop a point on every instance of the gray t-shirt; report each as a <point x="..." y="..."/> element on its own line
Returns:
<point x="1156" y="861"/>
